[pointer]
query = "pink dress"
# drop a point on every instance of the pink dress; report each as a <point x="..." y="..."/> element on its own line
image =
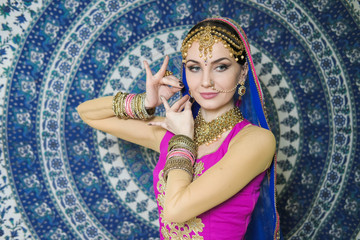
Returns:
<point x="228" y="220"/>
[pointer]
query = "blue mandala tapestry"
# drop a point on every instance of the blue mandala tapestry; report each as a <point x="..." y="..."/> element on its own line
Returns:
<point x="60" y="179"/>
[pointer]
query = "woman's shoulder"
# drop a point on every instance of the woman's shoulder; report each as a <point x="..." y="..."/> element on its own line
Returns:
<point x="255" y="144"/>
<point x="253" y="135"/>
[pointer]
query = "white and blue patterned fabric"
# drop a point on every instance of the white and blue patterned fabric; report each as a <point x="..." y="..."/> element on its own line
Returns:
<point x="60" y="179"/>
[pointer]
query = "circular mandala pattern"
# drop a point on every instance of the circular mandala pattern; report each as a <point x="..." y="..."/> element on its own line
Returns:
<point x="63" y="180"/>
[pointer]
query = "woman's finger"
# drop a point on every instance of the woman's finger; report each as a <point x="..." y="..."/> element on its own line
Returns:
<point x="165" y="103"/>
<point x="182" y="107"/>
<point x="188" y="105"/>
<point x="172" y="81"/>
<point x="159" y="124"/>
<point x="179" y="103"/>
<point x="163" y="67"/>
<point x="147" y="69"/>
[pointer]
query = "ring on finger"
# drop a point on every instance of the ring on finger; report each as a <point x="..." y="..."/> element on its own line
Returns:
<point x="168" y="73"/>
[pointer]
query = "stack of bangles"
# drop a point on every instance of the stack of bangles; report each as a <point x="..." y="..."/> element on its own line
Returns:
<point x="127" y="105"/>
<point x="182" y="153"/>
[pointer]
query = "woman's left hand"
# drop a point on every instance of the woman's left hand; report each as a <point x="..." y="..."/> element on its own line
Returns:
<point x="179" y="118"/>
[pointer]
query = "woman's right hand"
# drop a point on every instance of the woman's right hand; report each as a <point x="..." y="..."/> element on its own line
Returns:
<point x="179" y="118"/>
<point x="157" y="85"/>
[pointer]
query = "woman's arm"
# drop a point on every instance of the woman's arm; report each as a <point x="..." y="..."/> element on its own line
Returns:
<point x="98" y="113"/>
<point x="250" y="153"/>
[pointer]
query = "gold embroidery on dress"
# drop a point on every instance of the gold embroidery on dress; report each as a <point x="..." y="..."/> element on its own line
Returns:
<point x="198" y="169"/>
<point x="179" y="231"/>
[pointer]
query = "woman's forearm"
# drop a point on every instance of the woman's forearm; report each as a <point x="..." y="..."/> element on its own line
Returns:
<point x="96" y="109"/>
<point x="98" y="113"/>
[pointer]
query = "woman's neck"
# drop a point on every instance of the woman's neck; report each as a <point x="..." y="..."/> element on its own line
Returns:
<point x="209" y="115"/>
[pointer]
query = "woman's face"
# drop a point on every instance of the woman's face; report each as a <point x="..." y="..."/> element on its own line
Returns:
<point x="220" y="71"/>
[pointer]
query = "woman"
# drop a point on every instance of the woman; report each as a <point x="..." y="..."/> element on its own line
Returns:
<point x="210" y="171"/>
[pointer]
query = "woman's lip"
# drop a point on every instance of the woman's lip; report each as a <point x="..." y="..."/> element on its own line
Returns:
<point x="208" y="95"/>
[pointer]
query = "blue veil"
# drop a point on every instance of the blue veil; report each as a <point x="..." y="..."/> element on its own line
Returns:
<point x="265" y="221"/>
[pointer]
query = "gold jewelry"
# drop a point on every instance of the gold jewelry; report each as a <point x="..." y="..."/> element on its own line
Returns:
<point x="242" y="90"/>
<point x="118" y="104"/>
<point x="179" y="140"/>
<point x="147" y="113"/>
<point x="209" y="35"/>
<point x="168" y="73"/>
<point x="127" y="106"/>
<point x="225" y="91"/>
<point x="182" y="153"/>
<point x="178" y="163"/>
<point x="209" y="132"/>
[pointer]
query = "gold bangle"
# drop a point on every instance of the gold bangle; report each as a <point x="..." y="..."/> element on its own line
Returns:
<point x="178" y="141"/>
<point x="178" y="163"/>
<point x="122" y="112"/>
<point x="179" y="138"/>
<point x="137" y="105"/>
<point x="116" y="103"/>
<point x="148" y="113"/>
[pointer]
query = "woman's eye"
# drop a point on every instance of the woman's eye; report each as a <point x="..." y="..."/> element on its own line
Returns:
<point x="194" y="68"/>
<point x="222" y="68"/>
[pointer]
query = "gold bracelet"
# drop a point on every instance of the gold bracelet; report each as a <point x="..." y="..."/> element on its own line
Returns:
<point x="121" y="102"/>
<point x="182" y="141"/>
<point x="148" y="113"/>
<point x="189" y="146"/>
<point x="133" y="107"/>
<point x="179" y="138"/>
<point x="178" y="163"/>
<point x="137" y="106"/>
<point x="115" y="104"/>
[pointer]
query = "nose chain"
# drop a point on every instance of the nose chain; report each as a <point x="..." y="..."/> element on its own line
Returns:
<point x="223" y="91"/>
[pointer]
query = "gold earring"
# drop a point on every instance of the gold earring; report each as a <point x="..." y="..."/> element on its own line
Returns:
<point x="241" y="90"/>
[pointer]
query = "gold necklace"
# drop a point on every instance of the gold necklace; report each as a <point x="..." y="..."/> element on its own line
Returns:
<point x="209" y="132"/>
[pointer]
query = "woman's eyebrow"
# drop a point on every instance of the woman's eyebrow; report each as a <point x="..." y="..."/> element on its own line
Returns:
<point x="191" y="60"/>
<point x="215" y="61"/>
<point x="219" y="60"/>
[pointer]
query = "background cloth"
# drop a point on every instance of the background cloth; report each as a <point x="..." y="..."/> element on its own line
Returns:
<point x="60" y="179"/>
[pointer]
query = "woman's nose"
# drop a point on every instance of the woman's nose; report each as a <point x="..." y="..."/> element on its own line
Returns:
<point x="206" y="80"/>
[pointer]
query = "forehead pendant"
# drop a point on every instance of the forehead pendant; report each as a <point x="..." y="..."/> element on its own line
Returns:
<point x="206" y="41"/>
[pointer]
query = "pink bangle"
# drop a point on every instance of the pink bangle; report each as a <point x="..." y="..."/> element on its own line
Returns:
<point x="180" y="155"/>
<point x="185" y="152"/>
<point x="181" y="152"/>
<point x="128" y="108"/>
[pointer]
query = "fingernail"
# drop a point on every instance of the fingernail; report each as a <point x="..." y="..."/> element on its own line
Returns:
<point x="150" y="124"/>
<point x="192" y="100"/>
<point x="181" y="85"/>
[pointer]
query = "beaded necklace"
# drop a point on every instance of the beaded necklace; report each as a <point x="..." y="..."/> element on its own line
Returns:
<point x="209" y="132"/>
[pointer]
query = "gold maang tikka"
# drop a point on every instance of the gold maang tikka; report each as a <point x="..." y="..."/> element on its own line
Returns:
<point x="209" y="35"/>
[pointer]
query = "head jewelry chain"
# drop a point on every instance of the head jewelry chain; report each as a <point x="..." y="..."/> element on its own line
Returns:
<point x="209" y="35"/>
